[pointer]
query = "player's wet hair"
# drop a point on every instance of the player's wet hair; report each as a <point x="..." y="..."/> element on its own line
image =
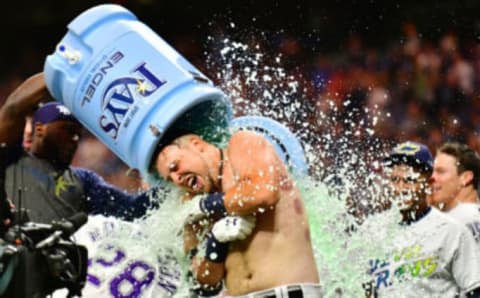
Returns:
<point x="167" y="139"/>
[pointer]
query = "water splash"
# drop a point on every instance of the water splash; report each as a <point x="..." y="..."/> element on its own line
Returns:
<point x="345" y="187"/>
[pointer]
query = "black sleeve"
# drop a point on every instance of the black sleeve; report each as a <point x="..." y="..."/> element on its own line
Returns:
<point x="106" y="199"/>
<point x="475" y="293"/>
<point x="8" y="156"/>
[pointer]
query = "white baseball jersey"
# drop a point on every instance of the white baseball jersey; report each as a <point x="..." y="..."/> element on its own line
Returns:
<point x="433" y="257"/>
<point x="468" y="214"/>
<point x="125" y="268"/>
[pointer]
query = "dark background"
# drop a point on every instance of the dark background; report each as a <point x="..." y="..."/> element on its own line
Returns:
<point x="31" y="29"/>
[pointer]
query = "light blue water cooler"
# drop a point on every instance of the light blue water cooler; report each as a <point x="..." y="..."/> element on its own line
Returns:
<point x="127" y="86"/>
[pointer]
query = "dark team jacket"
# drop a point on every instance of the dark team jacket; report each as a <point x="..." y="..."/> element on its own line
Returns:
<point x="49" y="194"/>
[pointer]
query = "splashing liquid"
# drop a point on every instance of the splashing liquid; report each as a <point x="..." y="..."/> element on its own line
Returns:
<point x="342" y="189"/>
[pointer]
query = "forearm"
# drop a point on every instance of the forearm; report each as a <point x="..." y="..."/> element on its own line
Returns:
<point x="248" y="197"/>
<point x="19" y="104"/>
<point x="209" y="270"/>
<point x="26" y="97"/>
<point x="208" y="273"/>
<point x="116" y="203"/>
<point x="207" y="276"/>
<point x="109" y="200"/>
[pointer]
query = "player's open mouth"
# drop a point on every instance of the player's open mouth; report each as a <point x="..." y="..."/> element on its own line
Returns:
<point x="192" y="182"/>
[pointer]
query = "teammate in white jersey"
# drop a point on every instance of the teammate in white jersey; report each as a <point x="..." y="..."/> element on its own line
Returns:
<point x="455" y="178"/>
<point x="433" y="255"/>
<point x="468" y="214"/>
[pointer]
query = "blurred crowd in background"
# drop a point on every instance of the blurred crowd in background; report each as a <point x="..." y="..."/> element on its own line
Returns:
<point x="429" y="88"/>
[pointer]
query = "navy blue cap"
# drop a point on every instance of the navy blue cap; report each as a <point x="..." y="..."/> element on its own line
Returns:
<point x="51" y="112"/>
<point x="411" y="153"/>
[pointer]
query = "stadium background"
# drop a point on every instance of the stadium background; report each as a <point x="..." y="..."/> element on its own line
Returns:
<point x="417" y="60"/>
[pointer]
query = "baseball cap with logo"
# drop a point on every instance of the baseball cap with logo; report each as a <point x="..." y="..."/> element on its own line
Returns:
<point x="51" y="112"/>
<point x="411" y="153"/>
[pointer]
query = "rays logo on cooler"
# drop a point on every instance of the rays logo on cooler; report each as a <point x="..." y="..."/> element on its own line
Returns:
<point x="120" y="95"/>
<point x="99" y="75"/>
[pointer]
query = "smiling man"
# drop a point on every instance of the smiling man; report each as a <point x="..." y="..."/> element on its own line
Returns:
<point x="455" y="178"/>
<point x="433" y="255"/>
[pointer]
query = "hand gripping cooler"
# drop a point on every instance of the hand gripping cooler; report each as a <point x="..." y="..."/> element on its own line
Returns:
<point x="127" y="86"/>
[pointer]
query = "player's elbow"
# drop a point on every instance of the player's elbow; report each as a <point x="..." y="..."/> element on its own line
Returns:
<point x="267" y="198"/>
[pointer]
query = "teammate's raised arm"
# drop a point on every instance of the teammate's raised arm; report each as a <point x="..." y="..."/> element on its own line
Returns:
<point x="23" y="101"/>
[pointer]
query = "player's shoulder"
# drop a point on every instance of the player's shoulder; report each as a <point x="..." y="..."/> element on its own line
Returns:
<point x="248" y="150"/>
<point x="244" y="139"/>
<point x="467" y="209"/>
<point x="466" y="213"/>
<point x="245" y="135"/>
<point x="448" y="224"/>
<point x="441" y="219"/>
